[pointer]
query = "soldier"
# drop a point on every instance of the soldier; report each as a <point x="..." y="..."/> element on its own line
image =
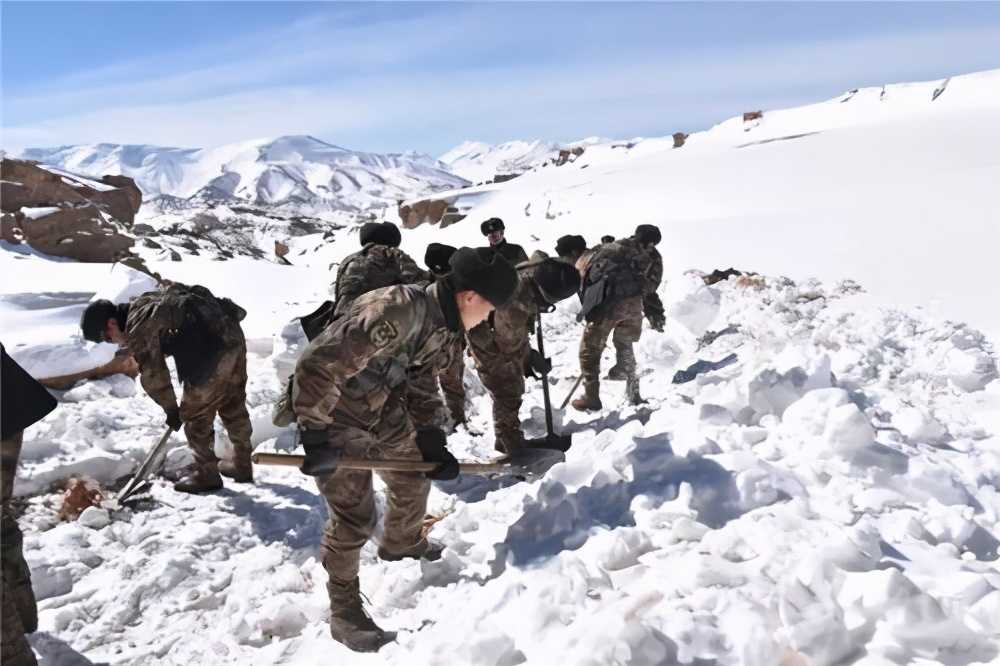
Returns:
<point x="365" y="387"/>
<point x="493" y="229"/>
<point x="607" y="239"/>
<point x="619" y="286"/>
<point x="24" y="402"/>
<point x="502" y="350"/>
<point x="203" y="335"/>
<point x="570" y="248"/>
<point x="451" y="378"/>
<point x="379" y="263"/>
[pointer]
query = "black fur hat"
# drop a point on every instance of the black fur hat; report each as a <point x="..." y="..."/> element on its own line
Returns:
<point x="647" y="233"/>
<point x="491" y="225"/>
<point x="556" y="280"/>
<point x="570" y="244"/>
<point x="436" y="258"/>
<point x="485" y="272"/>
<point x="384" y="233"/>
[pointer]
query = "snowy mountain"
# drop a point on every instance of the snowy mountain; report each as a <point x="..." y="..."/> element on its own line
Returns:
<point x="289" y="170"/>
<point x="478" y="162"/>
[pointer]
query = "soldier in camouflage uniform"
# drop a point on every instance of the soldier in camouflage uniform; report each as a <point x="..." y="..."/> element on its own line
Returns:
<point x="627" y="273"/>
<point x="24" y="402"/>
<point x="379" y="263"/>
<point x="494" y="230"/>
<point x="366" y="387"/>
<point x="203" y="335"/>
<point x="451" y="378"/>
<point x="501" y="346"/>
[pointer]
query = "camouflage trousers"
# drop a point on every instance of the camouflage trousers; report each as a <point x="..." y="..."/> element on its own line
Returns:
<point x="19" y="613"/>
<point x="624" y="320"/>
<point x="452" y="387"/>
<point x="225" y="394"/>
<point x="503" y="377"/>
<point x="351" y="499"/>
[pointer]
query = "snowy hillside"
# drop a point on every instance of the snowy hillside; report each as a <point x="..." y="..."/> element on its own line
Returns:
<point x="478" y="162"/>
<point x="894" y="187"/>
<point x="297" y="170"/>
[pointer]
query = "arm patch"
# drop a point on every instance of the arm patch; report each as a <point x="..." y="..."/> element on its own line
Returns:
<point x="383" y="333"/>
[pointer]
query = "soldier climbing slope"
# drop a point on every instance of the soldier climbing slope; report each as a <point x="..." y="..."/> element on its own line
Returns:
<point x="365" y="387"/>
<point x="501" y="346"/>
<point x="451" y="378"/>
<point x="23" y="401"/>
<point x="203" y="335"/>
<point x="379" y="263"/>
<point x="619" y="285"/>
<point x="493" y="229"/>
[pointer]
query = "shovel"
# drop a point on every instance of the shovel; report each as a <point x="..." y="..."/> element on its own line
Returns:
<point x="530" y="463"/>
<point x="153" y="460"/>
<point x="551" y="439"/>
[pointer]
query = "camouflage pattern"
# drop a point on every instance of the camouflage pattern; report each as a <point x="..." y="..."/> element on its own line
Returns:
<point x="19" y="613"/>
<point x="373" y="267"/>
<point x="452" y="384"/>
<point x="153" y="319"/>
<point x="371" y="379"/>
<point x="500" y="349"/>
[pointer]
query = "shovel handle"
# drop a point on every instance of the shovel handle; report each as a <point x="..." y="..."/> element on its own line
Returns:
<point x="296" y="460"/>
<point x="569" y="395"/>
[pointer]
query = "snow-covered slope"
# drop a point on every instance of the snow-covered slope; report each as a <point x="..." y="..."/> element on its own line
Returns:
<point x="894" y="187"/>
<point x="478" y="162"/>
<point x="286" y="170"/>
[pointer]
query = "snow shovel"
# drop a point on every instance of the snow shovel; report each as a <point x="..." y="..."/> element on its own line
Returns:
<point x="153" y="460"/>
<point x="572" y="391"/>
<point x="551" y="439"/>
<point x="530" y="463"/>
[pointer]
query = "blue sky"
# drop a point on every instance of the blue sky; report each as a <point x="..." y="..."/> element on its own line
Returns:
<point x="426" y="76"/>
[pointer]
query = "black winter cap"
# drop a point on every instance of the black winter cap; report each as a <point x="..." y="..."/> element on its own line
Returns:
<point x="607" y="239"/>
<point x="556" y="280"/>
<point x="384" y="233"/>
<point x="647" y="233"/>
<point x="485" y="272"/>
<point x="567" y="245"/>
<point x="491" y="225"/>
<point x="95" y="318"/>
<point x="436" y="258"/>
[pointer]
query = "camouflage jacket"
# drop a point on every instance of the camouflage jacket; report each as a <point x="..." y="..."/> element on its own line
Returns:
<point x="373" y="267"/>
<point x="188" y="323"/>
<point x="395" y="339"/>
<point x="506" y="335"/>
<point x="641" y="266"/>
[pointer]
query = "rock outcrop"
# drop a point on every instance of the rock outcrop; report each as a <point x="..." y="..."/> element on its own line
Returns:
<point x="67" y="215"/>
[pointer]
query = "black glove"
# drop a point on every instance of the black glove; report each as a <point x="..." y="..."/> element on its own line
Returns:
<point x="321" y="456"/>
<point x="536" y="365"/>
<point x="431" y="442"/>
<point x="174" y="419"/>
<point x="657" y="322"/>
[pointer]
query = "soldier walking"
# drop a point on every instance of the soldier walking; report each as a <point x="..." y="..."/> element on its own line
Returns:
<point x="203" y="334"/>
<point x="619" y="286"/>
<point x="501" y="346"/>
<point x="366" y="387"/>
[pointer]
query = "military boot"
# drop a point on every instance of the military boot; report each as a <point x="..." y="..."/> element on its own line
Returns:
<point x="17" y="575"/>
<point x="14" y="646"/>
<point x="591" y="400"/>
<point x="425" y="550"/>
<point x="616" y="374"/>
<point x="632" y="391"/>
<point x="200" y="479"/>
<point x="349" y="623"/>
<point x="239" y="469"/>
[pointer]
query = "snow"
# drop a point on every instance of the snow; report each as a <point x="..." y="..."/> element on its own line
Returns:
<point x="829" y="497"/>
<point x="478" y="162"/>
<point x="34" y="213"/>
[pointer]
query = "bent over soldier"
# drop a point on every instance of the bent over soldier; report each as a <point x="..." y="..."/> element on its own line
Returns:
<point x="365" y="387"/>
<point x="203" y="335"/>
<point x="501" y="346"/>
<point x="451" y="378"/>
<point x="619" y="286"/>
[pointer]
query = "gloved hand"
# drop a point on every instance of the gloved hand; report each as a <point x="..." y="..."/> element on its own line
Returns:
<point x="536" y="365"/>
<point x="174" y="418"/>
<point x="431" y="442"/>
<point x="321" y="456"/>
<point x="657" y="322"/>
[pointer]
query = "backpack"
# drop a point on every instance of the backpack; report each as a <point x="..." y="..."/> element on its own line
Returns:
<point x="613" y="273"/>
<point x="199" y="342"/>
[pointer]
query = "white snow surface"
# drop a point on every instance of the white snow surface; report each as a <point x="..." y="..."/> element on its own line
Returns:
<point x="478" y="162"/>
<point x="831" y="497"/>
<point x="292" y="170"/>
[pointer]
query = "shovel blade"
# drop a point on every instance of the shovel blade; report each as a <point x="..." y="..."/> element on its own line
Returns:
<point x="533" y="463"/>
<point x="554" y="442"/>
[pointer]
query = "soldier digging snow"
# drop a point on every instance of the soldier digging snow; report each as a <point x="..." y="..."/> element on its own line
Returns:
<point x="501" y="346"/>
<point x="203" y="335"/>
<point x="23" y="401"/>
<point x="436" y="259"/>
<point x="619" y="285"/>
<point x="366" y="388"/>
<point x="379" y="263"/>
<point x="493" y="229"/>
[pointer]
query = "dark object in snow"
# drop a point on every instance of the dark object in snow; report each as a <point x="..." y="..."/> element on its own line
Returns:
<point x="720" y="276"/>
<point x="712" y="336"/>
<point x="701" y="367"/>
<point x="80" y="494"/>
<point x="679" y="139"/>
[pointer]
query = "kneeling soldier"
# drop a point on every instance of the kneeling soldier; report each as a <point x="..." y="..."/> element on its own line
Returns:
<point x="366" y="387"/>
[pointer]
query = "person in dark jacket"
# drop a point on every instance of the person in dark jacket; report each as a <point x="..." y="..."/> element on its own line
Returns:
<point x="23" y="402"/>
<point x="494" y="229"/>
